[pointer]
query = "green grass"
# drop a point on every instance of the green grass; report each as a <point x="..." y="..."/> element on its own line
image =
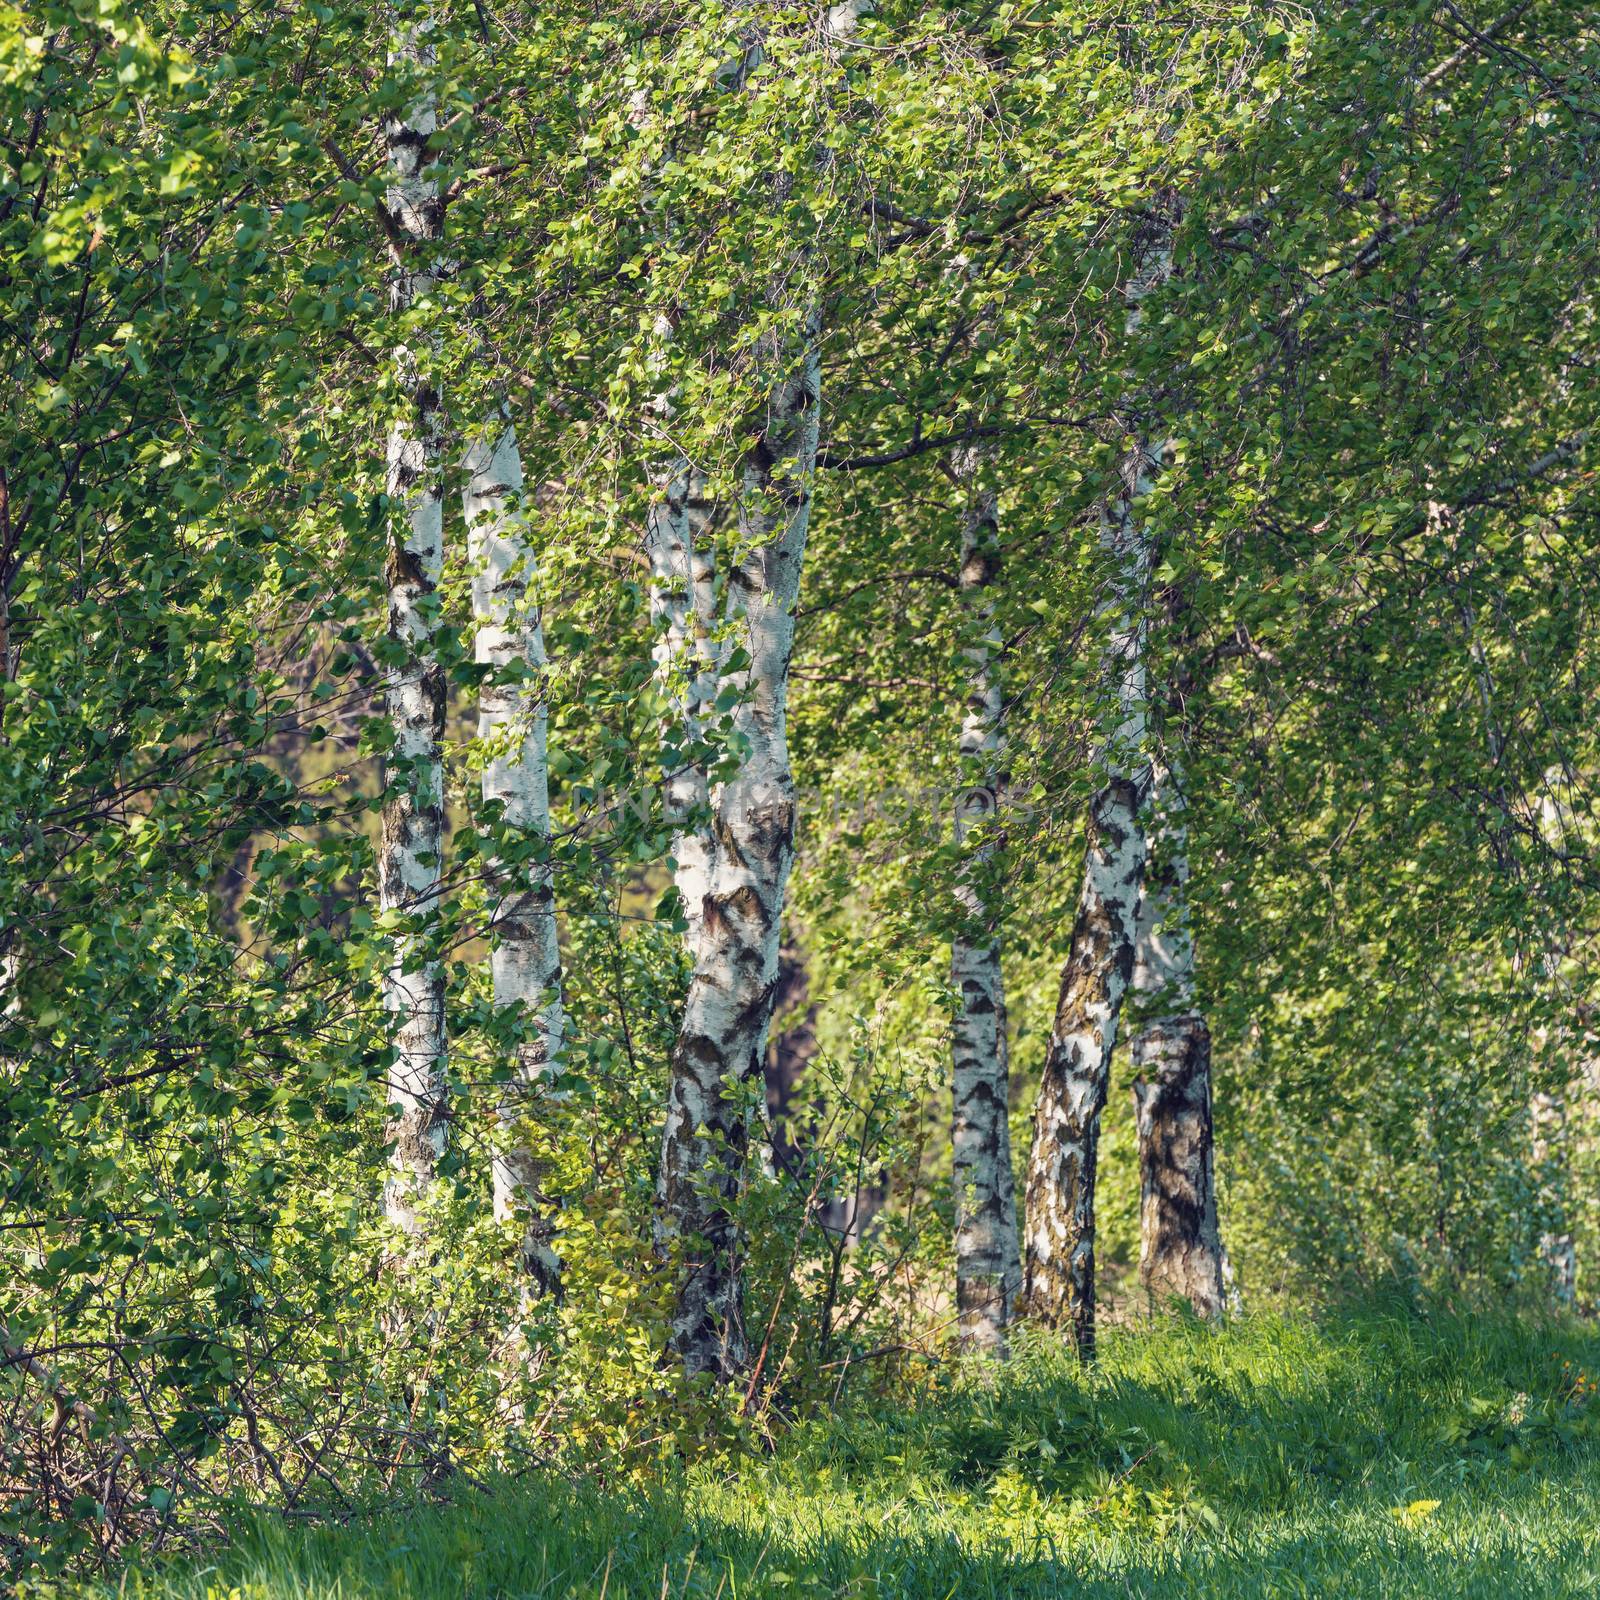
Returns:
<point x="1277" y="1457"/>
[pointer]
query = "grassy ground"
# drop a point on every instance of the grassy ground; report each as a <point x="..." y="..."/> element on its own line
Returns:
<point x="1371" y="1455"/>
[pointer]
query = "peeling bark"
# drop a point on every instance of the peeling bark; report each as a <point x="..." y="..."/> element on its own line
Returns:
<point x="988" y="1267"/>
<point x="1180" y="1245"/>
<point x="1058" y="1272"/>
<point x="413" y="808"/>
<point x="525" y="962"/>
<point x="716" y="1066"/>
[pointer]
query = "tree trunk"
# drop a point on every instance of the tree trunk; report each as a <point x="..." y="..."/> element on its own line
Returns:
<point x="413" y="807"/>
<point x="1058" y="1285"/>
<point x="1180" y="1245"/>
<point x="1058" y="1282"/>
<point x="988" y="1267"/>
<point x="716" y="1066"/>
<point x="525" y="962"/>
<point x="683" y="599"/>
<point x="716" y="1072"/>
<point x="683" y="609"/>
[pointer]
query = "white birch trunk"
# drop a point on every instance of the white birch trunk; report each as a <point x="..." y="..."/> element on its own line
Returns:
<point x="1058" y="1282"/>
<point x="1180" y="1244"/>
<point x="683" y="610"/>
<point x="988" y="1267"/>
<point x="715" y="1077"/>
<point x="716" y="1066"/>
<point x="683" y="601"/>
<point x="1059" y="1262"/>
<point x="525" y="963"/>
<point x="413" y="809"/>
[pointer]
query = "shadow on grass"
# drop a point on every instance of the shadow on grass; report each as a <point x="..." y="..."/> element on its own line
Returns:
<point x="548" y="1542"/>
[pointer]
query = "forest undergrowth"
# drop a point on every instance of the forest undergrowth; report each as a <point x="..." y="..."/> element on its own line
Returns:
<point x="1379" y="1450"/>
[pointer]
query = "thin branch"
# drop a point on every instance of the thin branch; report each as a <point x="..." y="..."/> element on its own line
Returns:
<point x="1451" y="62"/>
<point x="913" y="575"/>
<point x="391" y="228"/>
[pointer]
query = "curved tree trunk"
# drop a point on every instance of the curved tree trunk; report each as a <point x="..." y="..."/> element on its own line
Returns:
<point x="716" y="1066"/>
<point x="1180" y="1245"/>
<point x="525" y="961"/>
<point x="413" y="806"/>
<point x="988" y="1268"/>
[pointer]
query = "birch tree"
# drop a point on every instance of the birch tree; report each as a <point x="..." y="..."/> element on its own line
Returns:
<point x="717" y="1062"/>
<point x="409" y="856"/>
<point x="988" y="1268"/>
<point x="715" y="1076"/>
<point x="525" y="960"/>
<point x="1180" y="1244"/>
<point x="1058" y="1281"/>
<point x="683" y="600"/>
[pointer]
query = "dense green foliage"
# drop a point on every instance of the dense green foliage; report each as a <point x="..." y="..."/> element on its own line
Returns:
<point x="1374" y="646"/>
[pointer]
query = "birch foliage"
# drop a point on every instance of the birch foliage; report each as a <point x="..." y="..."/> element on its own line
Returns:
<point x="1373" y="363"/>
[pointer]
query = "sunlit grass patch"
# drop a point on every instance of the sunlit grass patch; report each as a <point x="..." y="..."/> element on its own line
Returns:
<point x="1372" y="1454"/>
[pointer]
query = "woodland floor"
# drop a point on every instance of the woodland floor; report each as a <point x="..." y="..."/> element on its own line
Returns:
<point x="1366" y="1454"/>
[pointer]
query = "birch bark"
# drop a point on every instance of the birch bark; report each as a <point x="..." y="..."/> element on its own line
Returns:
<point x="715" y="1076"/>
<point x="1058" y="1282"/>
<point x="413" y="807"/>
<point x="683" y="609"/>
<point x="683" y="598"/>
<point x="988" y="1267"/>
<point x="717" y="1062"/>
<point x="1180" y="1244"/>
<point x="525" y="962"/>
<point x="1059" y="1260"/>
